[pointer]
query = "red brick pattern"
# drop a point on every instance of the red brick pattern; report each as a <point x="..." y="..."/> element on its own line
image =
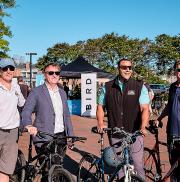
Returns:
<point x="82" y="127"/>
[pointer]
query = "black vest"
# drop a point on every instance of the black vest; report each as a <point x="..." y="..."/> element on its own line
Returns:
<point x="123" y="108"/>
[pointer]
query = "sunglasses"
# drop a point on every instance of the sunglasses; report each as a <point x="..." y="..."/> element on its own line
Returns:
<point x="53" y="72"/>
<point x="11" y="68"/>
<point x="126" y="67"/>
<point x="178" y="69"/>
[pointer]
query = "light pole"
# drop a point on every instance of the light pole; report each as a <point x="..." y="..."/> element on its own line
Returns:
<point x="30" y="65"/>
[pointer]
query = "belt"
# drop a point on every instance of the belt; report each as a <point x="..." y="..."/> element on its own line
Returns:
<point x="5" y="130"/>
<point x="60" y="134"/>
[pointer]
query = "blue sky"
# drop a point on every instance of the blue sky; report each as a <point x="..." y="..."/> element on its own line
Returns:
<point x="39" y="24"/>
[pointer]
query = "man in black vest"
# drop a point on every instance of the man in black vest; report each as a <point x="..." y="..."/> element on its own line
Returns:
<point x="127" y="103"/>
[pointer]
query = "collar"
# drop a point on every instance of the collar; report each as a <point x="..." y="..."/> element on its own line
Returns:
<point x="50" y="88"/>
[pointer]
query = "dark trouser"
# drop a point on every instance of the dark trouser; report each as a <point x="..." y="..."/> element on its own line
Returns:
<point x="136" y="152"/>
<point x="174" y="154"/>
<point x="61" y="150"/>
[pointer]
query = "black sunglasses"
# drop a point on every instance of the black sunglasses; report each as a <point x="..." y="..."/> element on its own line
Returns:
<point x="178" y="69"/>
<point x="53" y="72"/>
<point x="11" y="68"/>
<point x="125" y="67"/>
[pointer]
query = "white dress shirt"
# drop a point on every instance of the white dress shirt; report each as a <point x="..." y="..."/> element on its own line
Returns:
<point x="58" y="109"/>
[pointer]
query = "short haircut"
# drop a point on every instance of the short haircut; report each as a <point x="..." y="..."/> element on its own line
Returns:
<point x="123" y="59"/>
<point x="51" y="64"/>
<point x="176" y="64"/>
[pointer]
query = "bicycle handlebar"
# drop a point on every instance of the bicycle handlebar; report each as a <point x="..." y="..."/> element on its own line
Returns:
<point x="42" y="134"/>
<point x="129" y="137"/>
<point x="153" y="128"/>
<point x="95" y="130"/>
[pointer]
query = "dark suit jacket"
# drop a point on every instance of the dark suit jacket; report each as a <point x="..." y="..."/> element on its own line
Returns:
<point x="40" y="103"/>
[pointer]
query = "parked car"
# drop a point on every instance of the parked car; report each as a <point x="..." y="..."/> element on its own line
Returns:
<point x="158" y="88"/>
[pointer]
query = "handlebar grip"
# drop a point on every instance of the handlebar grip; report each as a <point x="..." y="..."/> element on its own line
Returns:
<point x="81" y="138"/>
<point x="41" y="135"/>
<point x="94" y="129"/>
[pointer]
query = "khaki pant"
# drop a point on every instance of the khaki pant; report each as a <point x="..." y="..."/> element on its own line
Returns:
<point x="8" y="150"/>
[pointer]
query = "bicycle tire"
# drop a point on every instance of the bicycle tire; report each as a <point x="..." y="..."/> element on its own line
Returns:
<point x="150" y="165"/>
<point x="19" y="175"/>
<point x="60" y="174"/>
<point x="88" y="169"/>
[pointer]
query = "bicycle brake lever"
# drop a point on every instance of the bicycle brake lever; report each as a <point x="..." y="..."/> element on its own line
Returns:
<point x="40" y="135"/>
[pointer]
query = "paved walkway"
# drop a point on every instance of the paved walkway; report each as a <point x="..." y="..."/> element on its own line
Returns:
<point x="82" y="127"/>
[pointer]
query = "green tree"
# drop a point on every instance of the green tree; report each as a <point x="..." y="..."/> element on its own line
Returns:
<point x="4" y="29"/>
<point x="166" y="50"/>
<point x="150" y="58"/>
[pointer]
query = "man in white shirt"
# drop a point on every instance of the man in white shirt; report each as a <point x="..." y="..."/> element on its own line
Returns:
<point x="10" y="98"/>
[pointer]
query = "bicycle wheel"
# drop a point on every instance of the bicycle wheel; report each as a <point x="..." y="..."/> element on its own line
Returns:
<point x="60" y="174"/>
<point x="19" y="175"/>
<point x="150" y="165"/>
<point x="88" y="170"/>
<point x="132" y="178"/>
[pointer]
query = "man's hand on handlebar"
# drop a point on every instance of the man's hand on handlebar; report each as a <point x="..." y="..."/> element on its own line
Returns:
<point x="144" y="131"/>
<point x="100" y="128"/>
<point x="32" y="130"/>
<point x="158" y="123"/>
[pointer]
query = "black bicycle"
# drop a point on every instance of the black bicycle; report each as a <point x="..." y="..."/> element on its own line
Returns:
<point x="47" y="164"/>
<point x="92" y="168"/>
<point x="152" y="161"/>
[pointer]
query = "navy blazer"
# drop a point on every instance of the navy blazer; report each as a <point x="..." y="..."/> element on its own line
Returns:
<point x="39" y="102"/>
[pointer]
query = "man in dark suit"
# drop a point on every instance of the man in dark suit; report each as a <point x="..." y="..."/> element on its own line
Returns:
<point x="49" y="103"/>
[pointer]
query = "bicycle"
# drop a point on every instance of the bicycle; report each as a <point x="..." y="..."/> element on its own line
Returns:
<point x="34" y="168"/>
<point x="152" y="162"/>
<point x="92" y="169"/>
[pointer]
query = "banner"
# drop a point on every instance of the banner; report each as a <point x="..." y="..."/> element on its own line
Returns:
<point x="88" y="94"/>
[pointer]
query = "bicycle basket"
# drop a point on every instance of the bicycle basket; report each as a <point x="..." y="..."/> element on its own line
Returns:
<point x="110" y="157"/>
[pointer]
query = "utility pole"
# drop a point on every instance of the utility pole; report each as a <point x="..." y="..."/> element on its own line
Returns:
<point x="30" y="65"/>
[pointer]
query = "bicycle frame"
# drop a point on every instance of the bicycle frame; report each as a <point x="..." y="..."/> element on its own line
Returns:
<point x="125" y="164"/>
<point x="125" y="155"/>
<point x="33" y="169"/>
<point x="156" y="151"/>
<point x="31" y="159"/>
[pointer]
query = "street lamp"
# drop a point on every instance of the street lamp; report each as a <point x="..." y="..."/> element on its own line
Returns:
<point x="30" y="68"/>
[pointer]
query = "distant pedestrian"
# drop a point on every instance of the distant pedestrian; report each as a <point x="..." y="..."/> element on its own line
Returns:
<point x="150" y="93"/>
<point x="24" y="88"/>
<point x="10" y="98"/>
<point x="66" y="88"/>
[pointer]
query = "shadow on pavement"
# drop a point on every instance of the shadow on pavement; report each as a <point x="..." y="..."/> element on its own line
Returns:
<point x="73" y="168"/>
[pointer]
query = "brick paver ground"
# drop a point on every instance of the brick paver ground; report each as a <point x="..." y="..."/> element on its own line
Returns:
<point x="82" y="127"/>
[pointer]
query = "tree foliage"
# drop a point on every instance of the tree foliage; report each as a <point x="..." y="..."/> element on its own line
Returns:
<point x="166" y="50"/>
<point x="150" y="58"/>
<point x="4" y="29"/>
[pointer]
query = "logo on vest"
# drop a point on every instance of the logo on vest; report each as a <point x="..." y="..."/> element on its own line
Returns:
<point x="131" y="92"/>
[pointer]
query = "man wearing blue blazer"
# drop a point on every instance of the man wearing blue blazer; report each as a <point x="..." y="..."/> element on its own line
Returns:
<point x="49" y="104"/>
